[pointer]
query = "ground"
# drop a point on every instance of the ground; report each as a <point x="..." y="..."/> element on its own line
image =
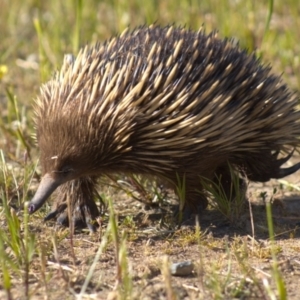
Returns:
<point x="230" y="260"/>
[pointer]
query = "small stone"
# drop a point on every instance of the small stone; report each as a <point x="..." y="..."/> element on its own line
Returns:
<point x="184" y="268"/>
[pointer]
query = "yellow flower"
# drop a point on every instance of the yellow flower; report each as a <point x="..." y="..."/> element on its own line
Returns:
<point x="3" y="71"/>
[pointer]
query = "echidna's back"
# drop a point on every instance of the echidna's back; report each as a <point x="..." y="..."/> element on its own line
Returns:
<point x="205" y="88"/>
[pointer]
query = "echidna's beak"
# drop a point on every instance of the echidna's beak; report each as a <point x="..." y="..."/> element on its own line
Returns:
<point x="46" y="188"/>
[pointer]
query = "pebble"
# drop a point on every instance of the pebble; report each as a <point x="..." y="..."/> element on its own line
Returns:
<point x="184" y="268"/>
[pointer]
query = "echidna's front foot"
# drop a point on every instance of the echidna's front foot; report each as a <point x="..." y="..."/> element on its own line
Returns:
<point x="190" y="210"/>
<point x="82" y="216"/>
<point x="83" y="210"/>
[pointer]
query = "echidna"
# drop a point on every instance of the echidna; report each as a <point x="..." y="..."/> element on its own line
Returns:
<point x="168" y="102"/>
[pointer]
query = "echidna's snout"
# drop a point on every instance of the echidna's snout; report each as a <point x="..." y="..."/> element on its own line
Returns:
<point x="47" y="186"/>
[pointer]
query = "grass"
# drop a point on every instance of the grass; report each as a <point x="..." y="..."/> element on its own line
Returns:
<point x="130" y="254"/>
<point x="232" y="205"/>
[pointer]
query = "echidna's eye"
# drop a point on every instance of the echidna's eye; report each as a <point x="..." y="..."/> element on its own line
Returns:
<point x="65" y="170"/>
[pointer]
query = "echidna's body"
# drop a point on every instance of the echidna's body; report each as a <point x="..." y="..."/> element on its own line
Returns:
<point x="165" y="102"/>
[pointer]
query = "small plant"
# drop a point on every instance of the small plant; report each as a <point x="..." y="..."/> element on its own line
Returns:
<point x="123" y="277"/>
<point x="280" y="285"/>
<point x="232" y="205"/>
<point x="17" y="243"/>
<point x="180" y="188"/>
<point x="142" y="189"/>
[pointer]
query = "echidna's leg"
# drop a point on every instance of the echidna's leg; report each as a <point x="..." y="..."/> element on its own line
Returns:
<point x="80" y="194"/>
<point x="194" y="197"/>
<point x="229" y="182"/>
<point x="195" y="203"/>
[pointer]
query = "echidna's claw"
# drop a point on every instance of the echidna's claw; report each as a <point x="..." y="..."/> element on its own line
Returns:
<point x="282" y="172"/>
<point x="287" y="171"/>
<point x="281" y="161"/>
<point x="80" y="217"/>
<point x="53" y="213"/>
